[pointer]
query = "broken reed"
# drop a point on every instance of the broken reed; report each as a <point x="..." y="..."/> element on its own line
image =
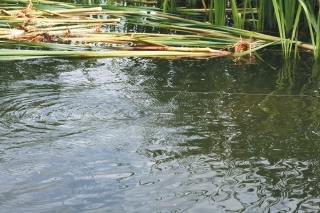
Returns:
<point x="37" y="32"/>
<point x="204" y="35"/>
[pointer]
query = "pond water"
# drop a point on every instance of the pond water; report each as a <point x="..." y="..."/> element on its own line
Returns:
<point x="151" y="135"/>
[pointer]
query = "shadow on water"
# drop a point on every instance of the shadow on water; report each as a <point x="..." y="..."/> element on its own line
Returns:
<point x="149" y="135"/>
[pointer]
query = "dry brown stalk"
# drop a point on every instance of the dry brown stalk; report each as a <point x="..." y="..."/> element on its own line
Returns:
<point x="42" y="37"/>
<point x="26" y="11"/>
<point x="98" y="29"/>
<point x="5" y="12"/>
<point x="68" y="32"/>
<point x="241" y="46"/>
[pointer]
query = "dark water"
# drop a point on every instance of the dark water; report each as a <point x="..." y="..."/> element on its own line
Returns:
<point x="150" y="135"/>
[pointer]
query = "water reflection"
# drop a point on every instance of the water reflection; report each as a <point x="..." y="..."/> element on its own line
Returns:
<point x="148" y="135"/>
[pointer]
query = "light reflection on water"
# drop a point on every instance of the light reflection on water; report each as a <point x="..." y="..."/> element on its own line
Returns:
<point x="143" y="135"/>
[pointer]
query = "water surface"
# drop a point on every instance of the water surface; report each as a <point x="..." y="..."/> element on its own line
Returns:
<point x="151" y="135"/>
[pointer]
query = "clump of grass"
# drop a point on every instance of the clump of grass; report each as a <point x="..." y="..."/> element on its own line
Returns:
<point x="285" y="11"/>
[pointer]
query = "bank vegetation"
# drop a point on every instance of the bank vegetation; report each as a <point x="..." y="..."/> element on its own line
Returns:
<point x="167" y="28"/>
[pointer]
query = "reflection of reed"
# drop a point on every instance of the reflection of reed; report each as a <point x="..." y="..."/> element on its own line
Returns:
<point x="313" y="87"/>
<point x="217" y="148"/>
<point x="313" y="81"/>
<point x="285" y="73"/>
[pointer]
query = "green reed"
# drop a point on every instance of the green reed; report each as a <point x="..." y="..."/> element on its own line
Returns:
<point x="169" y="6"/>
<point x="313" y="21"/>
<point x="287" y="24"/>
<point x="238" y="18"/>
<point x="219" y="12"/>
<point x="191" y="3"/>
<point x="258" y="15"/>
<point x="259" y="18"/>
<point x="250" y="13"/>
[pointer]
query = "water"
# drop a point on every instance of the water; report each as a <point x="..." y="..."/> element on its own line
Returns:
<point x="150" y="135"/>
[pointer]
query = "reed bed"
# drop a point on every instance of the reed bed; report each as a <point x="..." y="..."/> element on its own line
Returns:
<point x="73" y="32"/>
<point x="55" y="29"/>
<point x="287" y="18"/>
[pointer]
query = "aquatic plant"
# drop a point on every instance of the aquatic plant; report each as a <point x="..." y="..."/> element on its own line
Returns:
<point x="220" y="12"/>
<point x="238" y="18"/>
<point x="61" y="26"/>
<point x="313" y="21"/>
<point x="285" y="11"/>
<point x="50" y="31"/>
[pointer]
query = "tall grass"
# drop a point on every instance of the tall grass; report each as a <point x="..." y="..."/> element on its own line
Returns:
<point x="313" y="21"/>
<point x="259" y="19"/>
<point x="219" y="12"/>
<point x="238" y="18"/>
<point x="169" y="6"/>
<point x="283" y="16"/>
<point x="285" y="11"/>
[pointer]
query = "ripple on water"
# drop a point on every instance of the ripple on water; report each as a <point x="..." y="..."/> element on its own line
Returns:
<point x="54" y="137"/>
<point x="36" y="112"/>
<point x="115" y="136"/>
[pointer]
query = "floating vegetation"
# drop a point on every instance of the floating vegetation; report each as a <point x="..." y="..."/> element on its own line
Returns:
<point x="52" y="29"/>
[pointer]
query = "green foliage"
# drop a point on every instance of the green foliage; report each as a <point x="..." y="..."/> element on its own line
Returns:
<point x="191" y="3"/>
<point x="238" y="18"/>
<point x="284" y="12"/>
<point x="313" y="22"/>
<point x="169" y="6"/>
<point x="259" y="15"/>
<point x="219" y="12"/>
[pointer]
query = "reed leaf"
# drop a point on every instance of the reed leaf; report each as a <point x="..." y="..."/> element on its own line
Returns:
<point x="51" y="18"/>
<point x="25" y="2"/>
<point x="238" y="20"/>
<point x="219" y="12"/>
<point x="51" y="46"/>
<point x="197" y="10"/>
<point x="278" y="7"/>
<point x="7" y="53"/>
<point x="314" y="27"/>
